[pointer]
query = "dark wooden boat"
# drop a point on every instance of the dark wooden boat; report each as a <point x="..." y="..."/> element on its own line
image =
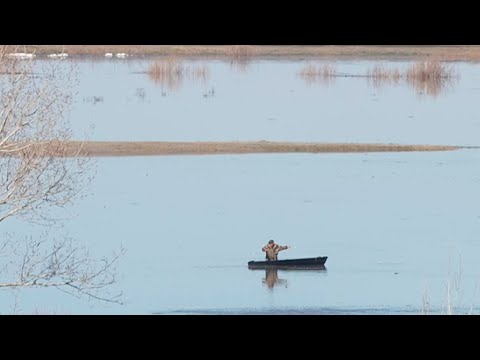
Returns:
<point x="307" y="263"/>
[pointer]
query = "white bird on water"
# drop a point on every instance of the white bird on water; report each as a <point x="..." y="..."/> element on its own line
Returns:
<point x="58" y="56"/>
<point x="22" y="55"/>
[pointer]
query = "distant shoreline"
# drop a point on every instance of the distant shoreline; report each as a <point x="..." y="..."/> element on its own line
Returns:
<point x="117" y="148"/>
<point x="308" y="52"/>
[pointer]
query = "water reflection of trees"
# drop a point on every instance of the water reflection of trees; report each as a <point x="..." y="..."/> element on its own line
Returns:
<point x="426" y="77"/>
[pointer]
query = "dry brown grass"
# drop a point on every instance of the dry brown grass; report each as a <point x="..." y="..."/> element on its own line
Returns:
<point x="171" y="72"/>
<point x="241" y="51"/>
<point x="430" y="70"/>
<point x="380" y="74"/>
<point x="446" y="53"/>
<point x="427" y="77"/>
<point x="240" y="56"/>
<point x="94" y="148"/>
<point x="430" y="77"/>
<point x="313" y="70"/>
<point x="321" y="73"/>
<point x="240" y="66"/>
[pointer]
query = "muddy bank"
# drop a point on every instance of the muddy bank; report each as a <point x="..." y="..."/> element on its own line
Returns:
<point x="100" y="148"/>
<point x="452" y="52"/>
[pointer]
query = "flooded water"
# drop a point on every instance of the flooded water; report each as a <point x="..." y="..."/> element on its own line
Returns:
<point x="395" y="226"/>
<point x="268" y="100"/>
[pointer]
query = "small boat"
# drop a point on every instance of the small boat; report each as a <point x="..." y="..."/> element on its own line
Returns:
<point x="307" y="263"/>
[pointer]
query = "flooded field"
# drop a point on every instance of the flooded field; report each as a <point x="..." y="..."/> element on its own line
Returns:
<point x="399" y="228"/>
<point x="393" y="225"/>
<point x="269" y="100"/>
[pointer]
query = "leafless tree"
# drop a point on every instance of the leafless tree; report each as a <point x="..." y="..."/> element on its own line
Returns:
<point x="63" y="264"/>
<point x="40" y="172"/>
<point x="35" y="176"/>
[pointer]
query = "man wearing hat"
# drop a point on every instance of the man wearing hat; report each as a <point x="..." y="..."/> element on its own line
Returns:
<point x="271" y="250"/>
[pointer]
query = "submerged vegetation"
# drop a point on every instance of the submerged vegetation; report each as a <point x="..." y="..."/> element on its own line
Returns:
<point x="322" y="73"/>
<point x="429" y="77"/>
<point x="172" y="71"/>
<point x="38" y="155"/>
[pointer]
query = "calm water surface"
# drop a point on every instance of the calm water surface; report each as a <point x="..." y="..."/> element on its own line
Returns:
<point x="395" y="226"/>
<point x="269" y="101"/>
<point x="392" y="224"/>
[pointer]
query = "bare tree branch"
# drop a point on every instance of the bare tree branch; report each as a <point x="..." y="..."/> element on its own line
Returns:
<point x="61" y="264"/>
<point x="35" y="176"/>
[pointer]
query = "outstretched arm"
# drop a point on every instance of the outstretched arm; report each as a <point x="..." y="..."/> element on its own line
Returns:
<point x="280" y="248"/>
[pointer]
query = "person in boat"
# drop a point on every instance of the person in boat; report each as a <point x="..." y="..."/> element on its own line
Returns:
<point x="271" y="250"/>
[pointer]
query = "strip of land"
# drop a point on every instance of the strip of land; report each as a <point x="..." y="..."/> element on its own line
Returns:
<point x="442" y="52"/>
<point x="104" y="149"/>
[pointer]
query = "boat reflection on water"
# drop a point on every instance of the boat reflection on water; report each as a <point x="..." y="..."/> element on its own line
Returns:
<point x="271" y="278"/>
